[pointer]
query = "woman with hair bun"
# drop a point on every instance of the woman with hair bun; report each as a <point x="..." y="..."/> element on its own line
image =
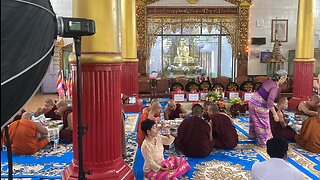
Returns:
<point x="259" y="106"/>
<point x="155" y="166"/>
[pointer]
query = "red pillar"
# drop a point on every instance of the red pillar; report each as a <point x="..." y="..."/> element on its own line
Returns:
<point x="129" y="74"/>
<point x="101" y="111"/>
<point x="302" y="83"/>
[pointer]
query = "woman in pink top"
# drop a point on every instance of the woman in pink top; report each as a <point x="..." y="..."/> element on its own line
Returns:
<point x="155" y="166"/>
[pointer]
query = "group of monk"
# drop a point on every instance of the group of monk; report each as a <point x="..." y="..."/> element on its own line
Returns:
<point x="28" y="136"/>
<point x="207" y="128"/>
<point x="201" y="131"/>
<point x="309" y="135"/>
<point x="197" y="135"/>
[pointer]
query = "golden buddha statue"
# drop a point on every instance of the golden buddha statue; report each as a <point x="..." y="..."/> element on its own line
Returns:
<point x="183" y="53"/>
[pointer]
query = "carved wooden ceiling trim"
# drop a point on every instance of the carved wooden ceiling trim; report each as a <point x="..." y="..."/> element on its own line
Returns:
<point x="236" y="2"/>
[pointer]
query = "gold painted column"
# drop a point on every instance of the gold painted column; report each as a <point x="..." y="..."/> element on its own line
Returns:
<point x="101" y="88"/>
<point x="129" y="69"/>
<point x="141" y="10"/>
<point x="243" y="32"/>
<point x="304" y="57"/>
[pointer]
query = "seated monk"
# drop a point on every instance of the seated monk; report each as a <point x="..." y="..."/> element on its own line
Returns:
<point x="205" y="110"/>
<point x="147" y="108"/>
<point x="152" y="115"/>
<point x="23" y="135"/>
<point x="194" y="135"/>
<point x="48" y="110"/>
<point x="280" y="128"/>
<point x="309" y="137"/>
<point x="224" y="134"/>
<point x="309" y="107"/>
<point x="174" y="110"/>
<point x="65" y="112"/>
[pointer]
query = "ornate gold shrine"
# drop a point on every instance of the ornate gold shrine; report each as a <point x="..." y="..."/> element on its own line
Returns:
<point x="276" y="61"/>
<point x="233" y="20"/>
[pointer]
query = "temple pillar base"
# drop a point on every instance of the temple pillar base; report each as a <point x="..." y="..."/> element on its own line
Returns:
<point x="101" y="112"/>
<point x="302" y="82"/>
<point x="117" y="169"/>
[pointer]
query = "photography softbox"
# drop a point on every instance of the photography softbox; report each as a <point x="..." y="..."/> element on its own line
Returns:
<point x="28" y="33"/>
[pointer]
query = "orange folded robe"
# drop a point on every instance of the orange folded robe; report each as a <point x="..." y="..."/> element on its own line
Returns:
<point x="143" y="117"/>
<point x="309" y="137"/>
<point x="23" y="136"/>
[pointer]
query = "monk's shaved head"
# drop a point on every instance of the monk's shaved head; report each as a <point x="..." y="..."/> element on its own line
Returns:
<point x="154" y="100"/>
<point x="315" y="98"/>
<point x="26" y="115"/>
<point x="213" y="108"/>
<point x="62" y="103"/>
<point x="207" y="103"/>
<point x="49" y="101"/>
<point x="171" y="102"/>
<point x="155" y="106"/>
<point x="282" y="101"/>
<point x="197" y="110"/>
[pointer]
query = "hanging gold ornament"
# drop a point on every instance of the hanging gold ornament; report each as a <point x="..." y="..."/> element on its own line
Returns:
<point x="192" y="1"/>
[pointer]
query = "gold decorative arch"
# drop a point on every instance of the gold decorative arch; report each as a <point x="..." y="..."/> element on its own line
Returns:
<point x="234" y="22"/>
<point x="59" y="45"/>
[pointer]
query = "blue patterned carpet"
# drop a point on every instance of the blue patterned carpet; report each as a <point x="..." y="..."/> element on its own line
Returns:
<point x="50" y="163"/>
<point x="230" y="164"/>
<point x="237" y="163"/>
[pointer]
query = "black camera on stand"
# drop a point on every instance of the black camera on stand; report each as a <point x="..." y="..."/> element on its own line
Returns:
<point x="76" y="28"/>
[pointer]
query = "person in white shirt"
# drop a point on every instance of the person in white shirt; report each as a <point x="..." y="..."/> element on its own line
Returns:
<point x="276" y="168"/>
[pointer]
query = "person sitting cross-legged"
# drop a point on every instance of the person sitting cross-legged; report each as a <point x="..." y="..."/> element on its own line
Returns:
<point x="155" y="166"/>
<point x="152" y="114"/>
<point x="309" y="107"/>
<point x="48" y="110"/>
<point x="280" y="128"/>
<point x="66" y="113"/>
<point x="173" y="110"/>
<point x="23" y="135"/>
<point x="194" y="135"/>
<point x="223" y="132"/>
<point x="309" y="137"/>
<point x="276" y="167"/>
<point x="146" y="109"/>
<point x="205" y="110"/>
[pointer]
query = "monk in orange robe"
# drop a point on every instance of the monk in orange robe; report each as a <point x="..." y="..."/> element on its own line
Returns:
<point x="153" y="114"/>
<point x="223" y="132"/>
<point x="23" y="136"/>
<point x="309" y="107"/>
<point x="194" y="135"/>
<point x="146" y="109"/>
<point x="309" y="137"/>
